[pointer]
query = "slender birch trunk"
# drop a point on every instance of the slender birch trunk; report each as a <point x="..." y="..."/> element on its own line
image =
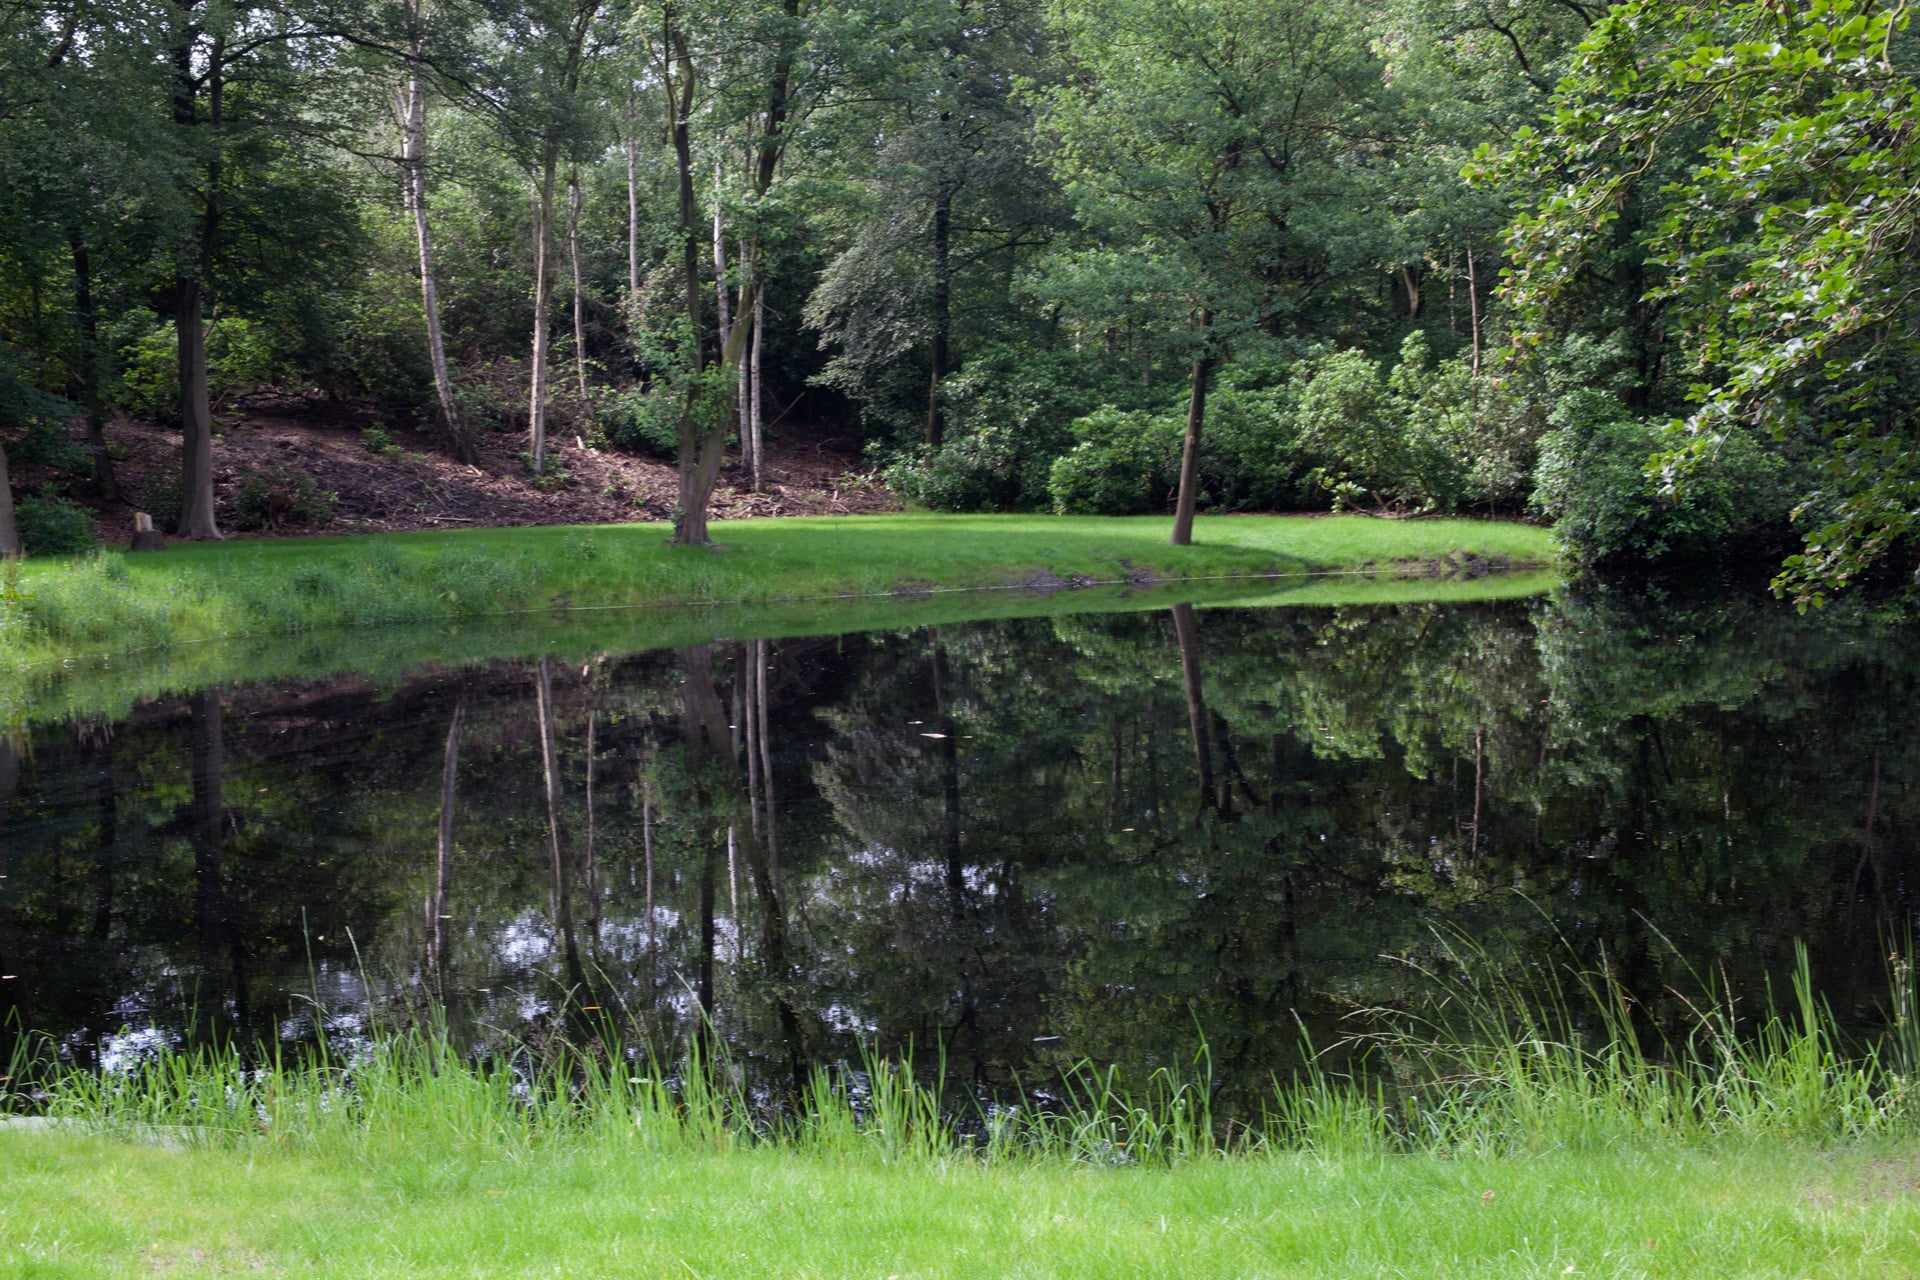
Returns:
<point x="579" y="293"/>
<point x="633" y="201"/>
<point x="104" y="485"/>
<point x="720" y="254"/>
<point x="542" y="306"/>
<point x="1473" y="308"/>
<point x="413" y="157"/>
<point x="754" y="402"/>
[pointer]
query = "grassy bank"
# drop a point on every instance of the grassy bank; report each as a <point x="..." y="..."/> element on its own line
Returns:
<point x="83" y="1207"/>
<point x="117" y="604"/>
<point x="1784" y="1152"/>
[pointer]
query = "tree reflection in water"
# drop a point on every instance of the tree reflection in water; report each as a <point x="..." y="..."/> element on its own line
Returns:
<point x="984" y="840"/>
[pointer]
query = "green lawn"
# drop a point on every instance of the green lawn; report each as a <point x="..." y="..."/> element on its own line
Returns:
<point x="125" y="603"/>
<point x="76" y="1207"/>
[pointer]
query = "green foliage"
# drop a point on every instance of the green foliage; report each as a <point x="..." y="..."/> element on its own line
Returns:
<point x="278" y="496"/>
<point x="54" y="527"/>
<point x="644" y="421"/>
<point x="1121" y="464"/>
<point x="1777" y="255"/>
<point x="375" y="439"/>
<point x="1594" y="483"/>
<point x="160" y="498"/>
<point x="46" y="443"/>
<point x="1009" y="415"/>
<point x="240" y="356"/>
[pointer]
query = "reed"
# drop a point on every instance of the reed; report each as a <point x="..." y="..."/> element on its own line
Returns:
<point x="1483" y="1070"/>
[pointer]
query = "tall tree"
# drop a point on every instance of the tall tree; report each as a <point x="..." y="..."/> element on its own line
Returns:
<point x="1780" y="249"/>
<point x="1190" y="136"/>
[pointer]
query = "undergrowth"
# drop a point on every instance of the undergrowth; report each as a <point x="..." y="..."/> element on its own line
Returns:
<point x="1479" y="1072"/>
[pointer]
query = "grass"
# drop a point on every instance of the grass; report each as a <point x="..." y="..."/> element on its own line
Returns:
<point x="81" y="1207"/>
<point x="117" y="604"/>
<point x="1772" y="1154"/>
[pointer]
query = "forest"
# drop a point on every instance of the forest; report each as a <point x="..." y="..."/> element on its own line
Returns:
<point x="1644" y="272"/>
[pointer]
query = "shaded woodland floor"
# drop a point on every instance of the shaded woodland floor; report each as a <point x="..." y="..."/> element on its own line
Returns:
<point x="416" y="486"/>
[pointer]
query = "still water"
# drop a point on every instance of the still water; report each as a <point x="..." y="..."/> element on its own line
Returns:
<point x="1027" y="842"/>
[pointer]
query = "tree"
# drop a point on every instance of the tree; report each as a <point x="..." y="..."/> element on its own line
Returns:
<point x="1189" y="135"/>
<point x="1781" y="249"/>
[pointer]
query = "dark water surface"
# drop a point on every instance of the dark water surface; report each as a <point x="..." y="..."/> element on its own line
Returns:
<point x="1031" y="842"/>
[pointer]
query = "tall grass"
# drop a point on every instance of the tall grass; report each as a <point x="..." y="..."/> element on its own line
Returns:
<point x="1482" y="1071"/>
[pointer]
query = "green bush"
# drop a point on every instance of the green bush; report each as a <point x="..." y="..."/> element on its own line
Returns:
<point x="45" y="443"/>
<point x="1122" y="464"/>
<point x="1009" y="414"/>
<point x="1593" y="482"/>
<point x="54" y="527"/>
<point x="239" y="356"/>
<point x="278" y="496"/>
<point x="645" y="422"/>
<point x="1125" y="463"/>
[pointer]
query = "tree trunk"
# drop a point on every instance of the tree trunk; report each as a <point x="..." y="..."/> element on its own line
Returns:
<point x="699" y="452"/>
<point x="755" y="411"/>
<point x="1190" y="446"/>
<point x="196" y="417"/>
<point x="542" y="306"/>
<point x="1411" y="283"/>
<point x="9" y="533"/>
<point x="633" y="204"/>
<point x="1473" y="308"/>
<point x="942" y="310"/>
<point x="104" y="485"/>
<point x="196" y="414"/>
<point x="579" y="293"/>
<point x="413" y="156"/>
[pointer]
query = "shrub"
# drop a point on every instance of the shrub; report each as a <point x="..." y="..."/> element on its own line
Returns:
<point x="54" y="527"/>
<point x="277" y="496"/>
<point x="375" y="439"/>
<point x="645" y="422"/>
<point x="1593" y="482"/>
<point x="45" y="443"/>
<point x="1009" y="414"/>
<point x="1121" y="464"/>
<point x="239" y="356"/>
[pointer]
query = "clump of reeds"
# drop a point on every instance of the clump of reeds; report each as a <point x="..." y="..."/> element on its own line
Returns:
<point x="1482" y="1071"/>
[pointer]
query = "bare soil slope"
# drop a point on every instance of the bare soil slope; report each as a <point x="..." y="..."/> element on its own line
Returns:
<point x="417" y="487"/>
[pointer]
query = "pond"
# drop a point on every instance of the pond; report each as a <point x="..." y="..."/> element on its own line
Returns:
<point x="1012" y="845"/>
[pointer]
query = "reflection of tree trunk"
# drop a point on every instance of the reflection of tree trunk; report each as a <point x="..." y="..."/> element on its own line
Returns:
<point x="560" y="866"/>
<point x="771" y="833"/>
<point x="16" y="1016"/>
<point x="719" y="784"/>
<point x="593" y="864"/>
<point x="437" y="914"/>
<point x="1187" y="632"/>
<point x="105" y="866"/>
<point x="1867" y="858"/>
<point x="1479" y="788"/>
<point x="949" y="783"/>
<point x="213" y="911"/>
